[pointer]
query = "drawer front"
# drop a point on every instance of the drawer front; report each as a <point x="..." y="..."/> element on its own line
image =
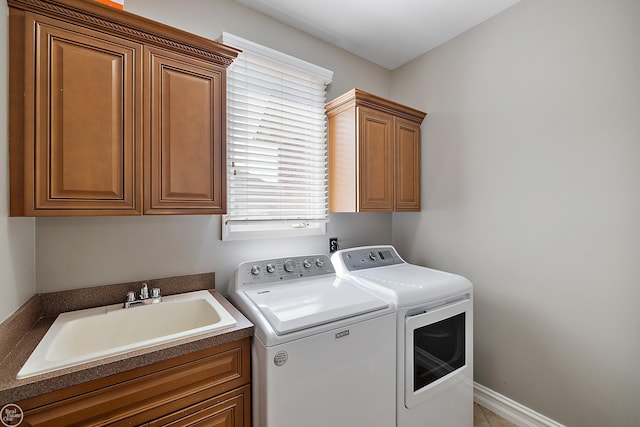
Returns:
<point x="150" y="395"/>
<point x="228" y="410"/>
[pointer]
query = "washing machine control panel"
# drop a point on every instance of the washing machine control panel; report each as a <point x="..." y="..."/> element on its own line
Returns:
<point x="281" y="269"/>
<point x="369" y="257"/>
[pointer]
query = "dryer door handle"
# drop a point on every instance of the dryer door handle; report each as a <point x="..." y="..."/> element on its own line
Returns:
<point x="437" y="313"/>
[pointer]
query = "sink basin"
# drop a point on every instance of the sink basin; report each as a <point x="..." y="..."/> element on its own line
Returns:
<point x="81" y="336"/>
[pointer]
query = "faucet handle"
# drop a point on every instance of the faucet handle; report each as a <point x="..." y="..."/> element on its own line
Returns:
<point x="155" y="293"/>
<point x="144" y="291"/>
<point x="131" y="296"/>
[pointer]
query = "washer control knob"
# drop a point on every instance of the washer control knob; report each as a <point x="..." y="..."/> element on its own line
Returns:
<point x="306" y="263"/>
<point x="255" y="270"/>
<point x="271" y="268"/>
<point x="319" y="262"/>
<point x="372" y="256"/>
<point x="289" y="265"/>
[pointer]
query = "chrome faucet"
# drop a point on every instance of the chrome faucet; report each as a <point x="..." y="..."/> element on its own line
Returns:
<point x="131" y="301"/>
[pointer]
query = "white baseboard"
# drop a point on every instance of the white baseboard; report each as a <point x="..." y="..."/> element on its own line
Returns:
<point x="510" y="409"/>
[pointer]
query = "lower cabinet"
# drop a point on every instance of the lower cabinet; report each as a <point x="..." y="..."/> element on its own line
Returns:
<point x="210" y="387"/>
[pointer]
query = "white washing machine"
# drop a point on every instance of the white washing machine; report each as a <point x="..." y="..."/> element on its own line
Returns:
<point x="434" y="334"/>
<point x="323" y="353"/>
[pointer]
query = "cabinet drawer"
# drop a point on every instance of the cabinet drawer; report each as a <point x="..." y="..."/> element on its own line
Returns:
<point x="145" y="394"/>
<point x="227" y="410"/>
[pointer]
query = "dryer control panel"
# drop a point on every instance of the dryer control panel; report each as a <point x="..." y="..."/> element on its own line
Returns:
<point x="368" y="257"/>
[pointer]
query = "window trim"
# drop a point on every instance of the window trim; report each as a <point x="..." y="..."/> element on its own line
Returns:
<point x="239" y="230"/>
<point x="258" y="230"/>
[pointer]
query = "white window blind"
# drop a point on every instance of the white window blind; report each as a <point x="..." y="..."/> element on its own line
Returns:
<point x="276" y="138"/>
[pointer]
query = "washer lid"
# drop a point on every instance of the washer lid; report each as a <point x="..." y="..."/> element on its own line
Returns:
<point x="303" y="304"/>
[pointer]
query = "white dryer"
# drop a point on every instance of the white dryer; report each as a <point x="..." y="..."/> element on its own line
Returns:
<point x="434" y="334"/>
<point x="323" y="352"/>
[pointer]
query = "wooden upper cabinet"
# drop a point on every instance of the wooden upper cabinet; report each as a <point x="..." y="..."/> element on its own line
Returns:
<point x="184" y="145"/>
<point x="374" y="154"/>
<point x="112" y="114"/>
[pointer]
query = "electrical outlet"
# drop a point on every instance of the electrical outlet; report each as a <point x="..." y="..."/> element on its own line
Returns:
<point x="333" y="244"/>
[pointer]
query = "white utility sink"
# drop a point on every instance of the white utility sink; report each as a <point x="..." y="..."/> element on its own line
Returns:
<point x="86" y="335"/>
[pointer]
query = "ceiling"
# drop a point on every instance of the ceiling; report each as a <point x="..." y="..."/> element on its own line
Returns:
<point x="388" y="33"/>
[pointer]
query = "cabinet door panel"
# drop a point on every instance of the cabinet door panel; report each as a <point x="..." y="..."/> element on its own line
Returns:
<point x="87" y="104"/>
<point x="376" y="161"/>
<point x="227" y="410"/>
<point x="407" y="136"/>
<point x="185" y="146"/>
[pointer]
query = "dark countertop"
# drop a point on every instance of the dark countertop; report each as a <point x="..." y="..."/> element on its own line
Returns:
<point x="19" y="336"/>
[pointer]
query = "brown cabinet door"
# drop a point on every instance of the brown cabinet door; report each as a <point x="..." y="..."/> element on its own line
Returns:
<point x="376" y="160"/>
<point x="184" y="129"/>
<point x="87" y="98"/>
<point x="407" y="172"/>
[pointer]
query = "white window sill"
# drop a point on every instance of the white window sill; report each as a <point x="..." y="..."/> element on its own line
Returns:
<point x="269" y="230"/>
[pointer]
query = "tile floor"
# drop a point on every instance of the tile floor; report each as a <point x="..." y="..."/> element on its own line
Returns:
<point x="482" y="417"/>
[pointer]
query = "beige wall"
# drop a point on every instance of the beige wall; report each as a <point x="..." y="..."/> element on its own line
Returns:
<point x="80" y="252"/>
<point x="17" y="241"/>
<point x="531" y="188"/>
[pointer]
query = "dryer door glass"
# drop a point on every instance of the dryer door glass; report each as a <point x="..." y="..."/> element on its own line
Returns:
<point x="438" y="349"/>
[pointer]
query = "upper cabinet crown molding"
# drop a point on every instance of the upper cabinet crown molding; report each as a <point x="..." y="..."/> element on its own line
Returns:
<point x="113" y="114"/>
<point x="374" y="154"/>
<point x="357" y="97"/>
<point x="96" y="15"/>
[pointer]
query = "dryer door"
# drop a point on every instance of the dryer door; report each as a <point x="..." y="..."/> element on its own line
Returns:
<point x="437" y="349"/>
